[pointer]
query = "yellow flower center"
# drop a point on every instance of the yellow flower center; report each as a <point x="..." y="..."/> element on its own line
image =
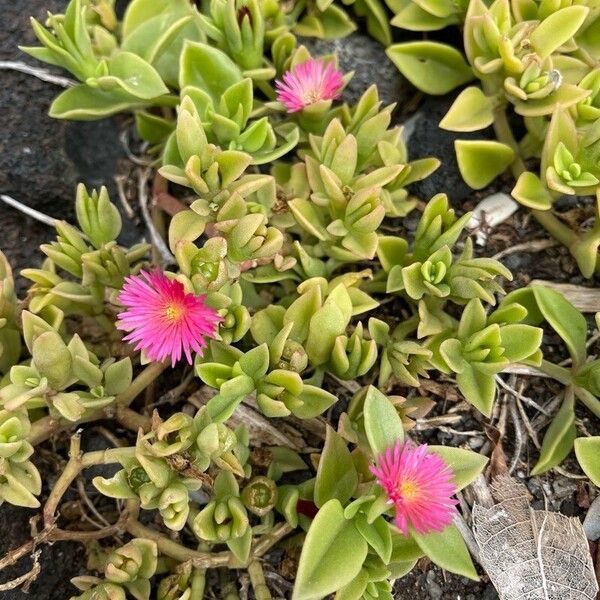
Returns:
<point x="173" y="312"/>
<point x="409" y="490"/>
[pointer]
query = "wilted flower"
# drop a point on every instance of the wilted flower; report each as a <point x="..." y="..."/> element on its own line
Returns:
<point x="164" y="320"/>
<point x="308" y="83"/>
<point x="419" y="484"/>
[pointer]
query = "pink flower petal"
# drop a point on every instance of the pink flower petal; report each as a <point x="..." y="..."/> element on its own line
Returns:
<point x="420" y="486"/>
<point x="308" y="83"/>
<point x="162" y="319"/>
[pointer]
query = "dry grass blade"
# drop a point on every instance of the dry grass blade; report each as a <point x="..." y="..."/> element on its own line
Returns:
<point x="532" y="554"/>
<point x="27" y="210"/>
<point x="43" y="74"/>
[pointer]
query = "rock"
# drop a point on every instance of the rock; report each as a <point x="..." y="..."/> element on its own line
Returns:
<point x="425" y="138"/>
<point x="591" y="523"/>
<point x="366" y="57"/>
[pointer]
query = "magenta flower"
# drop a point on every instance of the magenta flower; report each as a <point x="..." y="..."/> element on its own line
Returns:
<point x="164" y="320"/>
<point x="419" y="485"/>
<point x="308" y="83"/>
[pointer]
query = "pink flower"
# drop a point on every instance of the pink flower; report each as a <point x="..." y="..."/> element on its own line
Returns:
<point x="420" y="486"/>
<point x="308" y="83"/>
<point x="164" y="320"/>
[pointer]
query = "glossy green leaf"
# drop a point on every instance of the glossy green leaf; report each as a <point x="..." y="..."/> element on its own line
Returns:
<point x="481" y="161"/>
<point x="383" y="425"/>
<point x="332" y="555"/>
<point x="559" y="437"/>
<point x="587" y="450"/>
<point x="84" y="103"/>
<point x="432" y="67"/>
<point x="565" y="319"/>
<point x="209" y="69"/>
<point x="336" y="476"/>
<point x="479" y="388"/>
<point x="472" y="110"/>
<point x="557" y="29"/>
<point x="447" y="550"/>
<point x="377" y="534"/>
<point x="530" y="192"/>
<point x="465" y="464"/>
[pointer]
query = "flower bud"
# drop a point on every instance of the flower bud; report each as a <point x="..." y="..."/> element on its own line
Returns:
<point x="260" y="495"/>
<point x="133" y="561"/>
<point x="177" y="585"/>
<point x="103" y="591"/>
<point x="174" y="506"/>
<point x="14" y="428"/>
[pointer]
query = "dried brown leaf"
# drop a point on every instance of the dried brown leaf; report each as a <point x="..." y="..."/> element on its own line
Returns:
<point x="532" y="554"/>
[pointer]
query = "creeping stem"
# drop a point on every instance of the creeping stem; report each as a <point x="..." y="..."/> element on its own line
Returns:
<point x="46" y="427"/>
<point x="257" y="579"/>
<point x="77" y="462"/>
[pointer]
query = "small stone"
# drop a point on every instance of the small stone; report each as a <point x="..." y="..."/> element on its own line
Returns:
<point x="435" y="591"/>
<point x="475" y="443"/>
<point x="591" y="523"/>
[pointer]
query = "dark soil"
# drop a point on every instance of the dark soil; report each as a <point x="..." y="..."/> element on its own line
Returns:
<point x="58" y="562"/>
<point x="42" y="160"/>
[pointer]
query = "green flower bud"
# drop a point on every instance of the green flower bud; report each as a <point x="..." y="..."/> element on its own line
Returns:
<point x="136" y="560"/>
<point x="235" y="324"/>
<point x="293" y="357"/>
<point x="137" y="477"/>
<point x="569" y="170"/>
<point x="353" y="356"/>
<point x="177" y="585"/>
<point x="174" y="506"/>
<point x="14" y="429"/>
<point x="589" y="108"/>
<point x="175" y="435"/>
<point x="260" y="495"/>
<point x="216" y="439"/>
<point x="217" y="443"/>
<point x="225" y="517"/>
<point x="433" y="272"/>
<point x="103" y="591"/>
<point x="98" y="218"/>
<point x="52" y="359"/>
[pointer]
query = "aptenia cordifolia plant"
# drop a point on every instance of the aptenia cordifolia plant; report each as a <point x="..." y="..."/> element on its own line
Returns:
<point x="277" y="279"/>
<point x="537" y="69"/>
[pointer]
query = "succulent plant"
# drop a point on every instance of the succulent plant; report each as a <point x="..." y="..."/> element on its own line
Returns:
<point x="283" y="272"/>
<point x="529" y="63"/>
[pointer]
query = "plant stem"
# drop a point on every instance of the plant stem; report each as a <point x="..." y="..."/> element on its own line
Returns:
<point x="588" y="399"/>
<point x="267" y="541"/>
<point x="132" y="420"/>
<point x="44" y="428"/>
<point x="257" y="579"/>
<point x="198" y="584"/>
<point x="561" y="374"/>
<point x="200" y="560"/>
<point x="77" y="462"/>
<point x="140" y="383"/>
